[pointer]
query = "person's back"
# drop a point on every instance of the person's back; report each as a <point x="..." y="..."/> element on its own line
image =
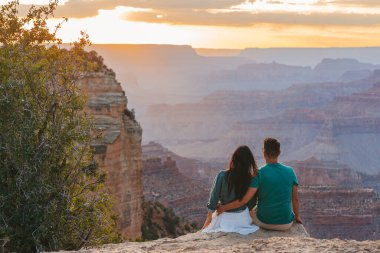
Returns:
<point x="276" y="186"/>
<point x="275" y="182"/>
<point x="228" y="186"/>
<point x="220" y="194"/>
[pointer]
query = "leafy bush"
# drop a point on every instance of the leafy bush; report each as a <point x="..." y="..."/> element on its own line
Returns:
<point x="50" y="196"/>
<point x="160" y="221"/>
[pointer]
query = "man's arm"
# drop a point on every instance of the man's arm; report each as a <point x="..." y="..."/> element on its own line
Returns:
<point x="295" y="204"/>
<point x="238" y="203"/>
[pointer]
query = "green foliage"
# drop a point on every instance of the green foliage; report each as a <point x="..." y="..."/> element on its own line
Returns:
<point x="148" y="229"/>
<point x="194" y="225"/>
<point x="50" y="185"/>
<point x="131" y="114"/>
<point x="160" y="221"/>
<point x="171" y="221"/>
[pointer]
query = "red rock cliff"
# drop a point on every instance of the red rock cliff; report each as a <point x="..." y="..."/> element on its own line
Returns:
<point x="118" y="152"/>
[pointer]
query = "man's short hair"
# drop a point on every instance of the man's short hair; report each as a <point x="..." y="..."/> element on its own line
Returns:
<point x="272" y="147"/>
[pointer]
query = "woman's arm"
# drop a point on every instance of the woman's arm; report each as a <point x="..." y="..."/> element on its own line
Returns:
<point x="214" y="198"/>
<point x="215" y="192"/>
<point x="208" y="220"/>
<point x="295" y="204"/>
<point x="238" y="203"/>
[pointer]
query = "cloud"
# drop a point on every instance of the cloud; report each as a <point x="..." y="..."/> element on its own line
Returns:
<point x="365" y="3"/>
<point x="221" y="13"/>
<point x="192" y="17"/>
<point x="89" y="8"/>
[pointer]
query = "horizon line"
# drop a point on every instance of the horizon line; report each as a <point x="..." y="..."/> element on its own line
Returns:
<point x="253" y="47"/>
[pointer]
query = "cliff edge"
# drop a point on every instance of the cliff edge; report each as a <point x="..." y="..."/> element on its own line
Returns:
<point x="294" y="240"/>
<point x="118" y="151"/>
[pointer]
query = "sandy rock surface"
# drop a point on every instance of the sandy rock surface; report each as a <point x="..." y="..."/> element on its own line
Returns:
<point x="294" y="240"/>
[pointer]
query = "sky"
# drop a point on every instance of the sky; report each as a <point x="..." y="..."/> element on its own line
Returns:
<point x="234" y="24"/>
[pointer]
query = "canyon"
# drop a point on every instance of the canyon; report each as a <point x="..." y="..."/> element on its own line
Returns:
<point x="330" y="121"/>
<point x="118" y="150"/>
<point x="335" y="200"/>
<point x="328" y="130"/>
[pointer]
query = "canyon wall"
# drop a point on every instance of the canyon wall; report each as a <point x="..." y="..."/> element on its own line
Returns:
<point x="163" y="182"/>
<point x="346" y="213"/>
<point x="118" y="151"/>
<point x="338" y="202"/>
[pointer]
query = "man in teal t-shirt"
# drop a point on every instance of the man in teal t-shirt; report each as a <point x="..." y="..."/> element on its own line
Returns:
<point x="276" y="187"/>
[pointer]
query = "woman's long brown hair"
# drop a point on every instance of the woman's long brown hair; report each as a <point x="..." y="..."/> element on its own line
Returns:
<point x="242" y="168"/>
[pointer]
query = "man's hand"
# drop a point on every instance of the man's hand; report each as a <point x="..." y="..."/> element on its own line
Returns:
<point x="298" y="220"/>
<point x="219" y="210"/>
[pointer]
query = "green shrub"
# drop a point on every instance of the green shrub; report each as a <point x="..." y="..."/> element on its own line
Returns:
<point x="50" y="185"/>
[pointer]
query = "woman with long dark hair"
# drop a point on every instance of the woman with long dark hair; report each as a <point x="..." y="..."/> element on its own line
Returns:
<point x="229" y="185"/>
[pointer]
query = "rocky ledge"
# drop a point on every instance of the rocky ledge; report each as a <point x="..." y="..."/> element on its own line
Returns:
<point x="294" y="240"/>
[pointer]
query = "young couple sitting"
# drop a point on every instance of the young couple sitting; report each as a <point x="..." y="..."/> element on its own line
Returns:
<point x="236" y="191"/>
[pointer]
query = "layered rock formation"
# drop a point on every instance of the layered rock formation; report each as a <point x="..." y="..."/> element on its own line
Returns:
<point x="211" y="118"/>
<point x="346" y="213"/>
<point x="350" y="132"/>
<point x="335" y="201"/>
<point x="313" y="172"/>
<point x="310" y="120"/>
<point x="202" y="172"/>
<point x="164" y="183"/>
<point x="118" y="151"/>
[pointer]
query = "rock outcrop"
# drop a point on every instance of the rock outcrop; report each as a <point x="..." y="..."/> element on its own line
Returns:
<point x="294" y="240"/>
<point x="313" y="172"/>
<point x="118" y="151"/>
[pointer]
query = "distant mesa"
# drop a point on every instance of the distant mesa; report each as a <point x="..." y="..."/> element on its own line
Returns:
<point x="157" y="74"/>
<point x="310" y="56"/>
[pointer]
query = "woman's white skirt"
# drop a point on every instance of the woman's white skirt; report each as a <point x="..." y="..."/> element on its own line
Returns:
<point x="240" y="222"/>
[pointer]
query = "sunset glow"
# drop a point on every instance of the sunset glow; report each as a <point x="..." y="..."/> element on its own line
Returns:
<point x="222" y="24"/>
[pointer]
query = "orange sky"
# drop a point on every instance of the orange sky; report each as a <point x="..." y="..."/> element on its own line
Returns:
<point x="223" y="23"/>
